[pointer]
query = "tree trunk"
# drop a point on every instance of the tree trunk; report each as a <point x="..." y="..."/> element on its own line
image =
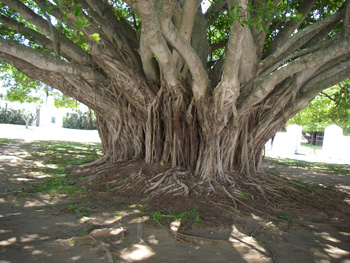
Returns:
<point x="187" y="135"/>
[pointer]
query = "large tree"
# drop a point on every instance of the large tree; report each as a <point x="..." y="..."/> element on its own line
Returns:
<point x="172" y="84"/>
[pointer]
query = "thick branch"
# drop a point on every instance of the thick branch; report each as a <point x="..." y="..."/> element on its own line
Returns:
<point x="346" y="19"/>
<point x="148" y="62"/>
<point x="322" y="82"/>
<point x="158" y="45"/>
<point x="19" y="27"/>
<point x="299" y="53"/>
<point x="321" y="77"/>
<point x="190" y="56"/>
<point x="190" y="8"/>
<point x="233" y="57"/>
<point x="68" y="47"/>
<point x="44" y="61"/>
<point x="310" y="30"/>
<point x="289" y="27"/>
<point x="116" y="28"/>
<point x="217" y="45"/>
<point x="216" y="6"/>
<point x="317" y="59"/>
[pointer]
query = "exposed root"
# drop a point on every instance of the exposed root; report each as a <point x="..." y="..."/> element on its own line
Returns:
<point x="170" y="182"/>
<point x="187" y="238"/>
<point x="197" y="239"/>
<point x="264" y="194"/>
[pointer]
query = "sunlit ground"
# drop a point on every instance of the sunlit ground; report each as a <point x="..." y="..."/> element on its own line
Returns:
<point x="47" y="133"/>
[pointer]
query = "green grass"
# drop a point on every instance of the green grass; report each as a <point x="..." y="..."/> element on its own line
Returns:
<point x="165" y="216"/>
<point x="55" y="157"/>
<point x="63" y="154"/>
<point x="285" y="217"/>
<point x="82" y="211"/>
<point x="322" y="167"/>
<point x="187" y="218"/>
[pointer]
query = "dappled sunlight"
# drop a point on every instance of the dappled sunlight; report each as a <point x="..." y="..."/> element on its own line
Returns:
<point x="152" y="240"/>
<point x="247" y="246"/>
<point x="2" y="231"/>
<point x="137" y="252"/>
<point x="335" y="252"/>
<point x="37" y="203"/>
<point x="8" y="242"/>
<point x="32" y="237"/>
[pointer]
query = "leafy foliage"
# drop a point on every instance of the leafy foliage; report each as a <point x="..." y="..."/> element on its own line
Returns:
<point x="332" y="106"/>
<point x="10" y="116"/>
<point x="80" y="120"/>
<point x="18" y="86"/>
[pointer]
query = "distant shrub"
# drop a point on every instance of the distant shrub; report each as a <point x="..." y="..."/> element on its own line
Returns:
<point x="19" y="117"/>
<point x="80" y="120"/>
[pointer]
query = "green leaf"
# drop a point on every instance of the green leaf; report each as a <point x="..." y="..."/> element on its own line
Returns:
<point x="95" y="37"/>
<point x="298" y="16"/>
<point x="78" y="11"/>
<point x="79" y="24"/>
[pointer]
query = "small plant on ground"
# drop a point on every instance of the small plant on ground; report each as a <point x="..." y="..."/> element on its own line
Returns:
<point x="285" y="217"/>
<point x="187" y="218"/>
<point x="80" y="210"/>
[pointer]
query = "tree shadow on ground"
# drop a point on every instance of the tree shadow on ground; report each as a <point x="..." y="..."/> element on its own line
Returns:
<point x="102" y="225"/>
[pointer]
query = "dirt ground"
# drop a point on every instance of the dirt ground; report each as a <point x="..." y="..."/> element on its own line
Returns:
<point x="57" y="228"/>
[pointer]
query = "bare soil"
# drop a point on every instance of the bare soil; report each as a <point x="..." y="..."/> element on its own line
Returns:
<point x="104" y="224"/>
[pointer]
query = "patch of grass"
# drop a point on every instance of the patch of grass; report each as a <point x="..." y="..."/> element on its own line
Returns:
<point x="80" y="210"/>
<point x="54" y="185"/>
<point x="285" y="217"/>
<point x="187" y="218"/>
<point x="246" y="195"/>
<point x="322" y="167"/>
<point x="83" y="234"/>
<point x="63" y="154"/>
<point x="55" y="157"/>
<point x="297" y="184"/>
<point x="110" y="187"/>
<point x="142" y="207"/>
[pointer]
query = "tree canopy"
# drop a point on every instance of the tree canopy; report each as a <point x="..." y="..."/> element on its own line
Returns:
<point x="331" y="106"/>
<point x="17" y="87"/>
<point x="202" y="90"/>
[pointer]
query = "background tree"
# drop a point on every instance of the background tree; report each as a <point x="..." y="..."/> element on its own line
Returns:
<point x="17" y="87"/>
<point x="331" y="106"/>
<point x="173" y="84"/>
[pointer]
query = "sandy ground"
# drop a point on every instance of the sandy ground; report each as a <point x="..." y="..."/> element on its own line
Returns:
<point x="39" y="227"/>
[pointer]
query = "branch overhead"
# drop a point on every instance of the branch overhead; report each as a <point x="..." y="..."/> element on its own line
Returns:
<point x="166" y="44"/>
<point x="47" y="62"/>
